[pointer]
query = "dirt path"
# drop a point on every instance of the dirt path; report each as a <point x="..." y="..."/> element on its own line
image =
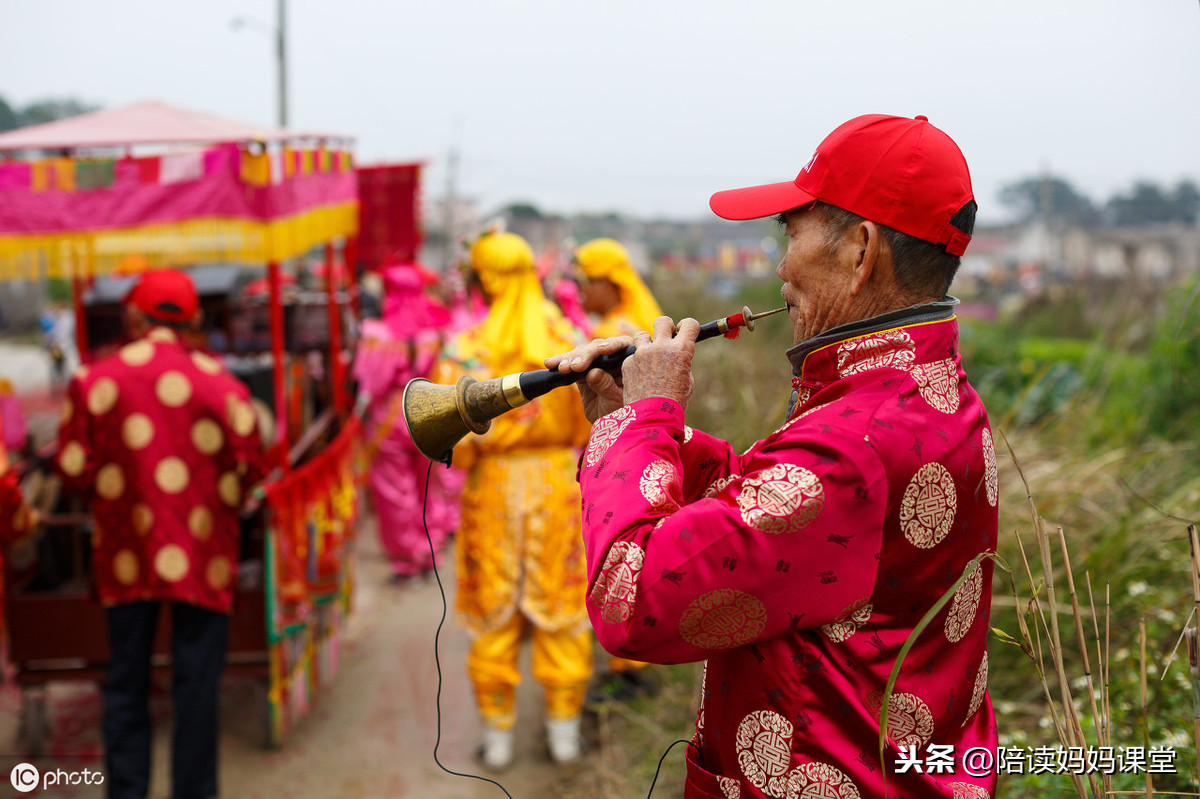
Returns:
<point x="370" y="734"/>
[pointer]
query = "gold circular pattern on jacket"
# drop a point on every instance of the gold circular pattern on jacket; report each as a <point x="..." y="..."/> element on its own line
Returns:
<point x="848" y="621"/>
<point x="818" y="780"/>
<point x="207" y="436"/>
<point x="218" y="573"/>
<point x="965" y="790"/>
<point x="200" y="522"/>
<point x="782" y="499"/>
<point x="173" y="389"/>
<point x="171" y="563"/>
<point x="892" y="348"/>
<point x="605" y="431"/>
<point x="764" y="750"/>
<point x="659" y="485"/>
<point x="241" y="415"/>
<point x="730" y="788"/>
<point x="67" y="409"/>
<point x="102" y="396"/>
<point x="722" y="619"/>
<point x="615" y="591"/>
<point x="171" y="474"/>
<point x="938" y="383"/>
<point x="72" y="459"/>
<point x="964" y="606"/>
<point x="991" y="473"/>
<point x="229" y="489"/>
<point x="141" y="517"/>
<point x="125" y="567"/>
<point x="206" y="363"/>
<point x="978" y="690"/>
<point x="110" y="481"/>
<point x="719" y="485"/>
<point x="139" y="353"/>
<point x="137" y="431"/>
<point x="909" y="720"/>
<point x="164" y="334"/>
<point x="928" y="506"/>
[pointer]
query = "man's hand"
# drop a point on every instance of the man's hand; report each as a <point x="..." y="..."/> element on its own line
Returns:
<point x="661" y="367"/>
<point x="601" y="392"/>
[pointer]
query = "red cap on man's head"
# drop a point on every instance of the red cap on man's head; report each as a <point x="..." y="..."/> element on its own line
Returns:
<point x="166" y="295"/>
<point x="896" y="171"/>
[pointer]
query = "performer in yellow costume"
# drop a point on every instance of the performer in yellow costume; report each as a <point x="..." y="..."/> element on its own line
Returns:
<point x="613" y="289"/>
<point x="519" y="554"/>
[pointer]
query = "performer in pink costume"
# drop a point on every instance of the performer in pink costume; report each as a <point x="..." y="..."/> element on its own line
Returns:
<point x="392" y="351"/>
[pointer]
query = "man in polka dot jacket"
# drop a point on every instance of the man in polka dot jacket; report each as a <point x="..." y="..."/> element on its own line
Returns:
<point x="797" y="570"/>
<point x="165" y="443"/>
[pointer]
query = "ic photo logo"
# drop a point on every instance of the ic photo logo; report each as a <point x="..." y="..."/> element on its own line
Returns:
<point x="24" y="777"/>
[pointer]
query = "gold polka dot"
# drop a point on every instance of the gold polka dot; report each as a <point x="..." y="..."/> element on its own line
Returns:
<point x="205" y="363"/>
<point x="241" y="415"/>
<point x="171" y="475"/>
<point x="102" y="396"/>
<point x="72" y="459"/>
<point x="171" y="563"/>
<point x="139" y="353"/>
<point x="207" y="436"/>
<point x="110" y="481"/>
<point x="173" y="389"/>
<point x="125" y="567"/>
<point x="200" y="522"/>
<point x="230" y="489"/>
<point x="142" y="518"/>
<point x="137" y="430"/>
<point x="82" y="372"/>
<point x="67" y="410"/>
<point x="219" y="572"/>
<point x="164" y="334"/>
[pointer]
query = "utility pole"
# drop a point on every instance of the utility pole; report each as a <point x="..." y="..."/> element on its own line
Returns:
<point x="281" y="52"/>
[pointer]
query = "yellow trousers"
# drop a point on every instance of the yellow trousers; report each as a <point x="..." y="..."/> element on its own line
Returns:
<point x="562" y="663"/>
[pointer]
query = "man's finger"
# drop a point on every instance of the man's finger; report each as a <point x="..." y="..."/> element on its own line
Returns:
<point x="687" y="328"/>
<point x="664" y="328"/>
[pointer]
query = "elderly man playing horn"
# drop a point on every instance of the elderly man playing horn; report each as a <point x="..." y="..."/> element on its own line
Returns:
<point x="797" y="570"/>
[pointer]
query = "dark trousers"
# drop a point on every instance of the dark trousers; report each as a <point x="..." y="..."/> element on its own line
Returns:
<point x="198" y="646"/>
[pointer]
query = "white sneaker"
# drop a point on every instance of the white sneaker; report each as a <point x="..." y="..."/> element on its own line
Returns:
<point x="497" y="748"/>
<point x="562" y="735"/>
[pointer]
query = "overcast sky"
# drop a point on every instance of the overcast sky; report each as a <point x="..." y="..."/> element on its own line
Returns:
<point x="648" y="106"/>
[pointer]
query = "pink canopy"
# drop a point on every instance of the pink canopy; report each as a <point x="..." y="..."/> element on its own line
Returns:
<point x="149" y="122"/>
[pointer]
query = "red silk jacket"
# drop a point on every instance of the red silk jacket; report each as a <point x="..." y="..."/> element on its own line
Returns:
<point x="166" y="443"/>
<point x="797" y="570"/>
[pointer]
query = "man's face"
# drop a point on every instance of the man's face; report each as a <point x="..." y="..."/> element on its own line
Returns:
<point x="817" y="278"/>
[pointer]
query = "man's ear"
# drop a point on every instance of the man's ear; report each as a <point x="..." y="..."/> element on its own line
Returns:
<point x="869" y="249"/>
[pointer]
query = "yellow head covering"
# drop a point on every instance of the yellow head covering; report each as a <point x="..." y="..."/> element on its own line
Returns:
<point x="607" y="259"/>
<point x="516" y="329"/>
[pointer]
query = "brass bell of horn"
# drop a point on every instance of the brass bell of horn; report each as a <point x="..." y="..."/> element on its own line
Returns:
<point x="439" y="416"/>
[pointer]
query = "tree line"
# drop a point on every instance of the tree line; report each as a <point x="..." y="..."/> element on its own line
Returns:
<point x="1055" y="200"/>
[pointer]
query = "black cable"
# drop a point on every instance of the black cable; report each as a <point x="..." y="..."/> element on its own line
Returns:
<point x="664" y="757"/>
<point x="436" y="637"/>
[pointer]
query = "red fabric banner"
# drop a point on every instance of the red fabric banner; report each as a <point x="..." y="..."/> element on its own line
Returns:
<point x="388" y="214"/>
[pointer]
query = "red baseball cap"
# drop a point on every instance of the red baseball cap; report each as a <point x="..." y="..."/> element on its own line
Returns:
<point x="166" y="295"/>
<point x="896" y="171"/>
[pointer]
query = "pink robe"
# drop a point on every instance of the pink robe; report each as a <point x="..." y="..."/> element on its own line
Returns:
<point x="797" y="570"/>
<point x="391" y="352"/>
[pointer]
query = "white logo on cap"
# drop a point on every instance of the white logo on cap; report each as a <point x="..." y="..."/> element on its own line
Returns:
<point x="808" y="167"/>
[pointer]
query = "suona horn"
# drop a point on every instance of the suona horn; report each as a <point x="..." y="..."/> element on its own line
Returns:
<point x="439" y="416"/>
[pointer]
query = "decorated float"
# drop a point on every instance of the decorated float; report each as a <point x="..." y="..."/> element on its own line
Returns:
<point x="266" y="221"/>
